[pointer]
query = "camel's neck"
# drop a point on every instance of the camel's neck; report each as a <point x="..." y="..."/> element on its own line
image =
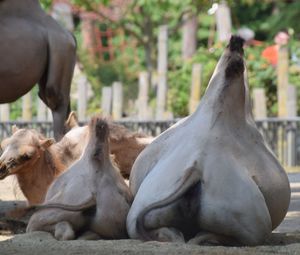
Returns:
<point x="125" y="158"/>
<point x="37" y="177"/>
<point x="67" y="151"/>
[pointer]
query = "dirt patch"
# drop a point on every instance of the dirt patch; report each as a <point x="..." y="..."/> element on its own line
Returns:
<point x="284" y="240"/>
<point x="44" y="243"/>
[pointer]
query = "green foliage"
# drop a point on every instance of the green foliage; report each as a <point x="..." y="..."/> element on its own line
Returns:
<point x="46" y="4"/>
<point x="260" y="74"/>
<point x="266" y="17"/>
<point x="180" y="78"/>
<point x="141" y="20"/>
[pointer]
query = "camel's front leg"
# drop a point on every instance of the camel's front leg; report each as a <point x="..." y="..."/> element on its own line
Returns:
<point x="207" y="238"/>
<point x="64" y="231"/>
<point x="161" y="224"/>
<point x="62" y="224"/>
<point x="89" y="235"/>
<point x="166" y="235"/>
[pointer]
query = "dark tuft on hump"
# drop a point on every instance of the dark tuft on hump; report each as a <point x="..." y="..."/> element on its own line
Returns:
<point x="235" y="65"/>
<point x="101" y="129"/>
<point x="236" y="44"/>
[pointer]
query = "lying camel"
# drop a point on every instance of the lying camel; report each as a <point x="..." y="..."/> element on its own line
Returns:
<point x="211" y="177"/>
<point x="92" y="178"/>
<point x="125" y="146"/>
<point x="37" y="161"/>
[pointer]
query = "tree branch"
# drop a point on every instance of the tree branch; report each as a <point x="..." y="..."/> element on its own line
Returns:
<point x="122" y="23"/>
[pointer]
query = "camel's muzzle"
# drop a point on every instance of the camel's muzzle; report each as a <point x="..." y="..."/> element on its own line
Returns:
<point x="3" y="171"/>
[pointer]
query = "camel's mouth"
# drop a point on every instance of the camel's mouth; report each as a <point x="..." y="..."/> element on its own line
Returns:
<point x="9" y="168"/>
<point x="3" y="172"/>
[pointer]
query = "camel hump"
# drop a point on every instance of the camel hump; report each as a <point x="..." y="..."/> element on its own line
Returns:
<point x="235" y="66"/>
<point x="98" y="141"/>
<point x="99" y="127"/>
<point x="236" y="44"/>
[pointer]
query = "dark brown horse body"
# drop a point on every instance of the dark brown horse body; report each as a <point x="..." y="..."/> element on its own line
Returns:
<point x="34" y="49"/>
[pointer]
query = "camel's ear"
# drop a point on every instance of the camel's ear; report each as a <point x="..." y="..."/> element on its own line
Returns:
<point x="45" y="143"/>
<point x="72" y="121"/>
<point x="14" y="129"/>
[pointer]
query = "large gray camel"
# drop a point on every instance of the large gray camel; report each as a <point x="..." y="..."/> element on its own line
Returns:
<point x="210" y="178"/>
<point x="34" y="49"/>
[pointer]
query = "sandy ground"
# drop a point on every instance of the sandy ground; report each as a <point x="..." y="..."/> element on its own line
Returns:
<point x="284" y="240"/>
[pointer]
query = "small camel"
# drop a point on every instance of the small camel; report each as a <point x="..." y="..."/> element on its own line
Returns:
<point x="125" y="146"/>
<point x="92" y="178"/>
<point x="35" y="49"/>
<point x="37" y="161"/>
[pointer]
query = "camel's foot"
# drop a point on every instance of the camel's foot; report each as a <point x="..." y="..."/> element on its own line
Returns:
<point x="64" y="231"/>
<point x="89" y="235"/>
<point x="167" y="235"/>
<point x="206" y="238"/>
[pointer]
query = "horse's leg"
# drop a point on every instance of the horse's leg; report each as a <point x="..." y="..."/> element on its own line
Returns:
<point x="55" y="85"/>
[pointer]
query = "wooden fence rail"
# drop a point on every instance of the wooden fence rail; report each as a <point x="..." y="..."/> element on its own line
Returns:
<point x="282" y="135"/>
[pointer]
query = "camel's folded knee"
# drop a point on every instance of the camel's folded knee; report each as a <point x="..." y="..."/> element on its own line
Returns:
<point x="256" y="232"/>
<point x="64" y="231"/>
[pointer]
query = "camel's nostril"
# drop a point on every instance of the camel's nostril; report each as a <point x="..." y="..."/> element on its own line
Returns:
<point x="3" y="171"/>
<point x="2" y="167"/>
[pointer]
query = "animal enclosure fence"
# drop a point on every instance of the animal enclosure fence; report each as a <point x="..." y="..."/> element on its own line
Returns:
<point x="282" y="135"/>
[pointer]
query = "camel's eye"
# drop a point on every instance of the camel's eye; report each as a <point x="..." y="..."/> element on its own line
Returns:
<point x="25" y="157"/>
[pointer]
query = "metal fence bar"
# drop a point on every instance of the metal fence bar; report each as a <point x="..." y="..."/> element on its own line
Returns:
<point x="282" y="135"/>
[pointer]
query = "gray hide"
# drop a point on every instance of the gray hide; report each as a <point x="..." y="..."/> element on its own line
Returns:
<point x="92" y="178"/>
<point x="211" y="177"/>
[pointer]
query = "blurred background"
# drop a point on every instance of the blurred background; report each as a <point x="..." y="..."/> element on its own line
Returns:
<point x="146" y="63"/>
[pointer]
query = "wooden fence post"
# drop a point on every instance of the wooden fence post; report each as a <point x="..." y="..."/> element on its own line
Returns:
<point x="106" y="101"/>
<point x="62" y="12"/>
<point x="195" y="87"/>
<point x="223" y="21"/>
<point x="189" y="36"/>
<point x="27" y="107"/>
<point x="82" y="97"/>
<point x="282" y="81"/>
<point x="259" y="103"/>
<point x="291" y="101"/>
<point x="291" y="132"/>
<point x="142" y="102"/>
<point x="117" y="100"/>
<point x="162" y="71"/>
<point x="41" y="110"/>
<point x="282" y="87"/>
<point x="4" y="112"/>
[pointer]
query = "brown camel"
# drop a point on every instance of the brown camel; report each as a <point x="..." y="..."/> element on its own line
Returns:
<point x="37" y="161"/>
<point x="34" y="49"/>
<point x="125" y="145"/>
<point x="92" y="178"/>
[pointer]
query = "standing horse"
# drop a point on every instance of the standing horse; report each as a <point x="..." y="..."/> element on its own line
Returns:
<point x="34" y="49"/>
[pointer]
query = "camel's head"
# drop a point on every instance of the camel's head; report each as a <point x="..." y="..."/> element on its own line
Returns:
<point x="21" y="150"/>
